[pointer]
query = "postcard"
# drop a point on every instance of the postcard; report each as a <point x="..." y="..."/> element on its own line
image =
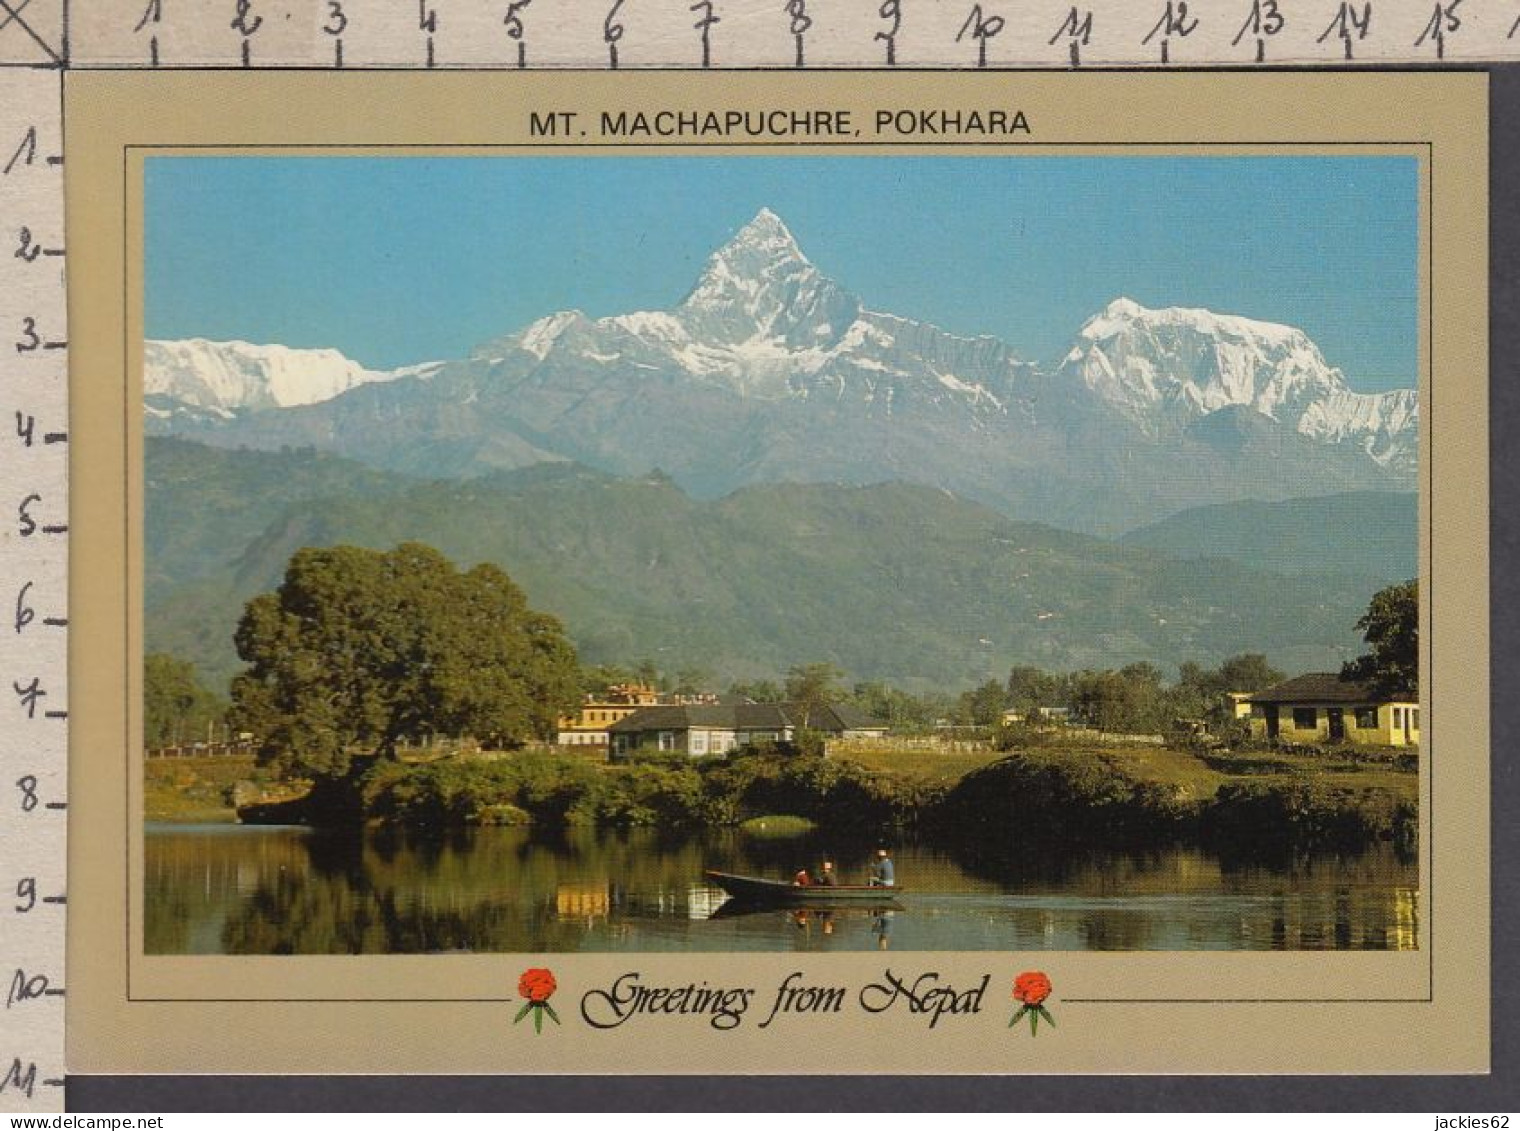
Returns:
<point x="675" y="573"/>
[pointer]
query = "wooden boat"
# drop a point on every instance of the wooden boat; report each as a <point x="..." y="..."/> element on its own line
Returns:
<point x="753" y="889"/>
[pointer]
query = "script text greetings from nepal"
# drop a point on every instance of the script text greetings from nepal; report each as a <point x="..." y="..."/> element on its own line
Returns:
<point x="928" y="996"/>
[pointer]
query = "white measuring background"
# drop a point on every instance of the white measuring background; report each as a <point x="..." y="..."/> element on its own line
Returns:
<point x="41" y="39"/>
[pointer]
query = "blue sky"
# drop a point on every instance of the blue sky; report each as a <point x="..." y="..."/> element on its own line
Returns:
<point x="400" y="260"/>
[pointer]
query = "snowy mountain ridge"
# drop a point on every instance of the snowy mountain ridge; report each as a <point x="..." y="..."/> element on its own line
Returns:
<point x="768" y="370"/>
<point x="1147" y="363"/>
<point x="225" y="376"/>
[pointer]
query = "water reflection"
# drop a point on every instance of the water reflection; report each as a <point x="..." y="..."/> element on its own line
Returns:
<point x="239" y="890"/>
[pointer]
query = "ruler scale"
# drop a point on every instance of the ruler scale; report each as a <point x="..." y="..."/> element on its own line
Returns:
<point x="786" y="34"/>
<point x="34" y="572"/>
<point x="41" y="39"/>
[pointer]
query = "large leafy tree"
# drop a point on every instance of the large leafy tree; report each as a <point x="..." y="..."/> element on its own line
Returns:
<point x="1391" y="628"/>
<point x="359" y="649"/>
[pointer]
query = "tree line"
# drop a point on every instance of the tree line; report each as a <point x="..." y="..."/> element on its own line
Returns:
<point x="360" y="651"/>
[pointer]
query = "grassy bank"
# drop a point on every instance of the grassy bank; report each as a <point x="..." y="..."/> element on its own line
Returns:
<point x="204" y="790"/>
<point x="1248" y="804"/>
<point x="985" y="800"/>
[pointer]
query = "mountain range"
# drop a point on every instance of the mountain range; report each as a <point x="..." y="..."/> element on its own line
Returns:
<point x="771" y="372"/>
<point x="905" y="583"/>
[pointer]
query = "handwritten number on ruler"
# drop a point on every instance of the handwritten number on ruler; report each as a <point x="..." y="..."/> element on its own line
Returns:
<point x="1349" y="25"/>
<point x="26" y="428"/>
<point x="29" y="694"/>
<point x="801" y="21"/>
<point x="27" y="890"/>
<point x="515" y="29"/>
<point x="427" y="20"/>
<point x="612" y="31"/>
<point x="1443" y="21"/>
<point x="336" y="25"/>
<point x="26" y="152"/>
<point x="30" y="341"/>
<point x="152" y="14"/>
<point x="337" y="19"/>
<point x="1078" y="27"/>
<point x="705" y="21"/>
<point x="27" y="249"/>
<point x="891" y="11"/>
<point x="27" y="525"/>
<point x="246" y="23"/>
<point x="25" y="614"/>
<point x="21" y="1077"/>
<point x="1263" y="21"/>
<point x="981" y="28"/>
<point x="25" y="989"/>
<point x="1174" y="21"/>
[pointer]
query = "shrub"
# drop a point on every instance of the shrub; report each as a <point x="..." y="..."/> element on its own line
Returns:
<point x="1298" y="813"/>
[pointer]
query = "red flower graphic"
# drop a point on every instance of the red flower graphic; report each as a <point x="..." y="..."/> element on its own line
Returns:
<point x="1030" y="989"/>
<point x="537" y="985"/>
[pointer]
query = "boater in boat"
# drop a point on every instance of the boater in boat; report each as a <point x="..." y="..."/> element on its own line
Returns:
<point x="756" y="889"/>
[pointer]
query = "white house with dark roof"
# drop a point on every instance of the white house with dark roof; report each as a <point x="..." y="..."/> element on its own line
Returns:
<point x="718" y="728"/>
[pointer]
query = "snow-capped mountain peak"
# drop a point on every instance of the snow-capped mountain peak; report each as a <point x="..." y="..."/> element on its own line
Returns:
<point x="222" y="377"/>
<point x="760" y="285"/>
<point x="767" y="233"/>
<point x="1125" y="315"/>
<point x="1180" y="363"/>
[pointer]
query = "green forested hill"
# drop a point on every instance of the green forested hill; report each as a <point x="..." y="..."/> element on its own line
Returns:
<point x="203" y="504"/>
<point x="1358" y="532"/>
<point x="896" y="582"/>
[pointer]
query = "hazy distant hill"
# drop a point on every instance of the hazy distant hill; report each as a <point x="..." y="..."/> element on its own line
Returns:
<point x="1357" y="532"/>
<point x="898" y="582"/>
<point x="204" y="505"/>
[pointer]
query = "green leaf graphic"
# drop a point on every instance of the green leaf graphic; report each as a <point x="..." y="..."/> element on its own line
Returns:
<point x="538" y="1020"/>
<point x="523" y="1012"/>
<point x="552" y="1015"/>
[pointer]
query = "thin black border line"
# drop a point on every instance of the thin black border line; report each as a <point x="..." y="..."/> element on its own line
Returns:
<point x="134" y="831"/>
<point x="715" y="149"/>
<point x="1329" y="66"/>
<point x="1426" y="406"/>
<point x="719" y="148"/>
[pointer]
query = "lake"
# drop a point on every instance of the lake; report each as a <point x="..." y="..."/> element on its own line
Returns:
<point x="234" y="889"/>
